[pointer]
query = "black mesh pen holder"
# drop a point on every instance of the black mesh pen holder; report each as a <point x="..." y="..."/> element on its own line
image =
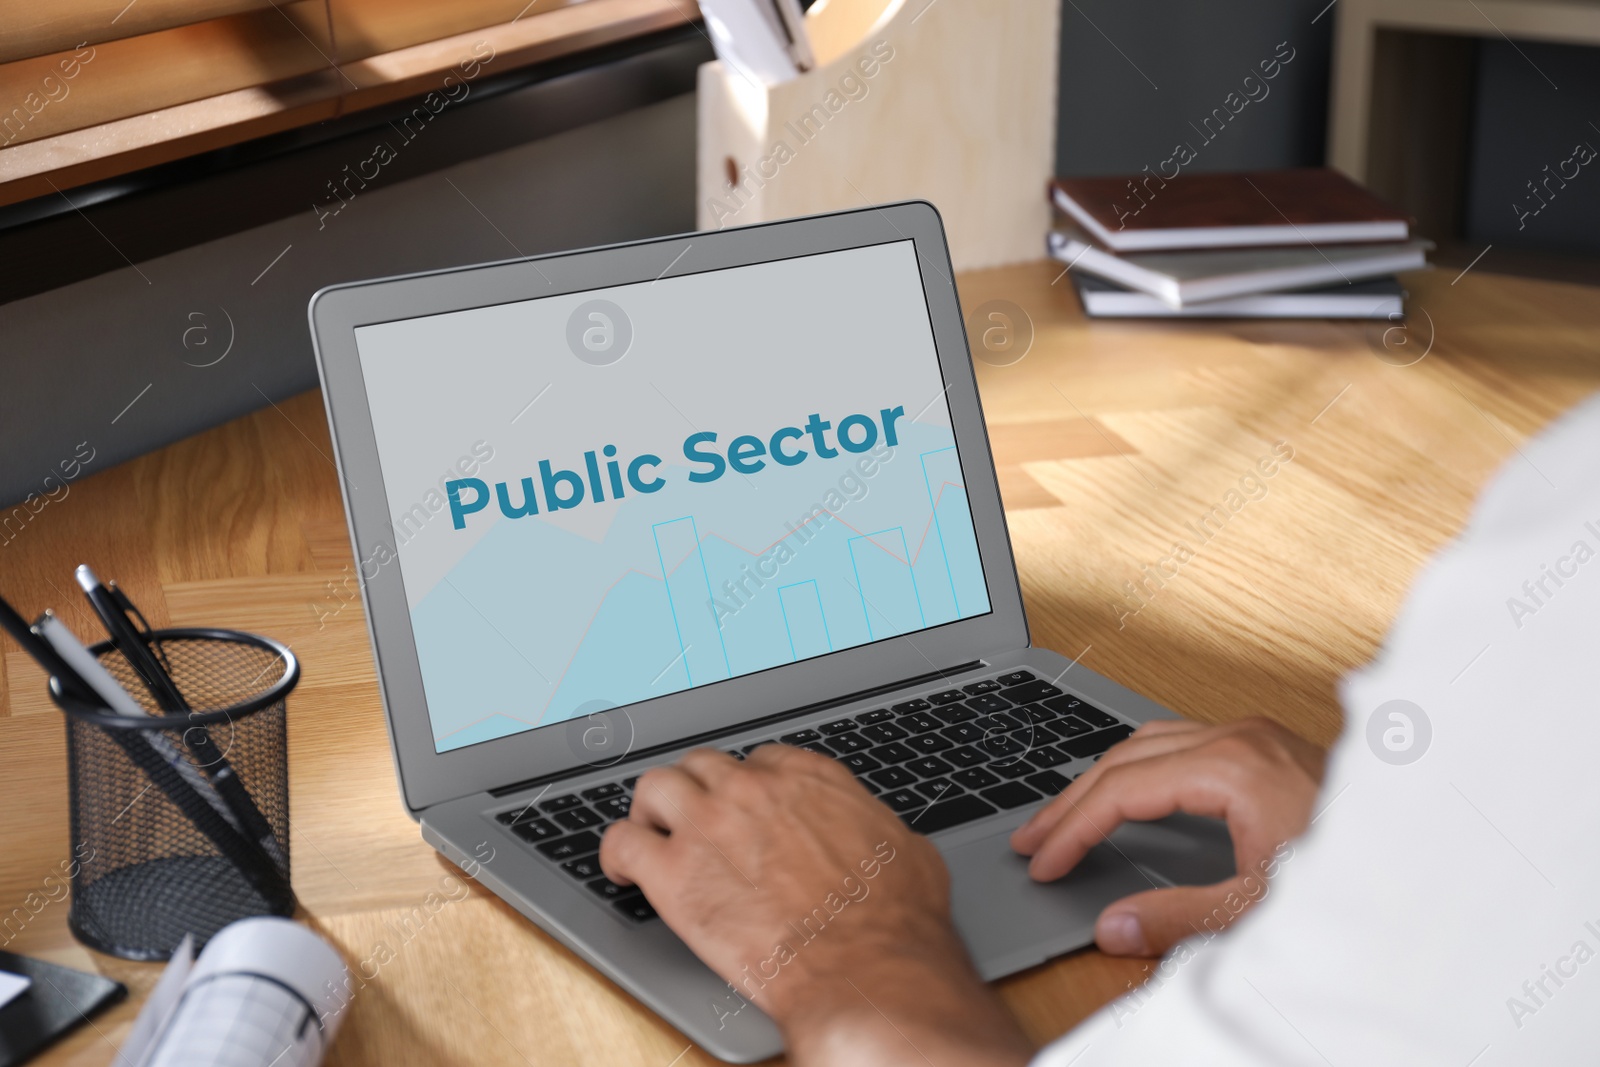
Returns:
<point x="180" y="821"/>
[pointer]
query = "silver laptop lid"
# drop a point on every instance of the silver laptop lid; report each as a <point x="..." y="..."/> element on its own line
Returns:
<point x="608" y="500"/>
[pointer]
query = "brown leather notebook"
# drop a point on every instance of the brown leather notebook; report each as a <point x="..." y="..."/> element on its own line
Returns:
<point x="1145" y="212"/>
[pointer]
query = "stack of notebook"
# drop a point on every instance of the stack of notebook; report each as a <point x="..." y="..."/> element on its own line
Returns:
<point x="1270" y="244"/>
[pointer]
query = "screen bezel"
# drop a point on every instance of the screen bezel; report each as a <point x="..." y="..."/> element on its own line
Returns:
<point x="429" y="777"/>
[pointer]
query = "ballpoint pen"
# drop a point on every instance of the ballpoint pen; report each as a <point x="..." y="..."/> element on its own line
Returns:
<point x="108" y="603"/>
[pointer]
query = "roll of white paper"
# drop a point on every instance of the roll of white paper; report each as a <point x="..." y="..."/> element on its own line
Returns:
<point x="264" y="992"/>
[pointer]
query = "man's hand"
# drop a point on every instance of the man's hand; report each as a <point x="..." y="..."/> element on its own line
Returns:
<point x="813" y="899"/>
<point x="1255" y="774"/>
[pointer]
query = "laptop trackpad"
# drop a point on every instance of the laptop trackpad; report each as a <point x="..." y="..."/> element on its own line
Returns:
<point x="1010" y="922"/>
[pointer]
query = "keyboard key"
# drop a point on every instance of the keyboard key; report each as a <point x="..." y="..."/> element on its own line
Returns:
<point x="919" y="722"/>
<point x="560" y="804"/>
<point x="1031" y="691"/>
<point x="578" y="819"/>
<point x="536" y="830"/>
<point x="636" y="908"/>
<point x="830" y="728"/>
<point x="566" y="848"/>
<point x="892" y="777"/>
<point x="506" y="818"/>
<point x="606" y="889"/>
<point x="818" y="747"/>
<point x="1050" y="783"/>
<point x="629" y="783"/>
<point x="1035" y="713"/>
<point x="1046" y="757"/>
<point x="1015" y="678"/>
<point x="929" y="767"/>
<point x="937" y="788"/>
<point x="1087" y="712"/>
<point x="906" y="707"/>
<point x="1094" y="716"/>
<point x="893" y="752"/>
<point x="845" y="744"/>
<point x="882" y="732"/>
<point x="942" y="816"/>
<point x="903" y="800"/>
<point x="1000" y="746"/>
<point x="1072" y="726"/>
<point x="987" y="703"/>
<point x="615" y="807"/>
<point x="974" y="778"/>
<point x="870" y="787"/>
<point x="949" y="696"/>
<point x="965" y="734"/>
<point x="1033" y="735"/>
<point x="800" y="738"/>
<point x="985" y="686"/>
<point x="1096" y="743"/>
<point x="926" y="743"/>
<point x="954" y="713"/>
<point x="860" y="763"/>
<point x="1010" y="795"/>
<point x="600" y="792"/>
<point x="583" y="869"/>
<point x="965" y="756"/>
<point x="997" y="722"/>
<point x="1010" y="768"/>
<point x="868" y="718"/>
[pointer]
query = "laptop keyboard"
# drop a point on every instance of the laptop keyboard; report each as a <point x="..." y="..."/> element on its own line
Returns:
<point x="939" y="760"/>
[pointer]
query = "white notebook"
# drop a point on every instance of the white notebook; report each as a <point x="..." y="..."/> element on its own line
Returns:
<point x="1180" y="279"/>
<point x="266" y="992"/>
<point x="1377" y="298"/>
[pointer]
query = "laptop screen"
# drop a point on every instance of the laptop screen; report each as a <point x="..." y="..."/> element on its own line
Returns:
<point x="602" y="497"/>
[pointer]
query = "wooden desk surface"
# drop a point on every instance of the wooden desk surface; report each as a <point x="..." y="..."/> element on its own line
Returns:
<point x="1112" y="441"/>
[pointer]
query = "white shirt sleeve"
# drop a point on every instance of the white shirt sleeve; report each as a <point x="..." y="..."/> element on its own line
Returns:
<point x="1445" y="905"/>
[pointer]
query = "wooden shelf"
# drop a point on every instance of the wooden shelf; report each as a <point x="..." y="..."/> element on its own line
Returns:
<point x="78" y="157"/>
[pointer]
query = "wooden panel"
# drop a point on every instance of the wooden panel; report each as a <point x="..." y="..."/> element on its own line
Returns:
<point x="1126" y="432"/>
<point x="911" y="110"/>
<point x="61" y="25"/>
<point x="120" y="78"/>
<point x="118" y="147"/>
<point x="1421" y="122"/>
<point x="364" y="28"/>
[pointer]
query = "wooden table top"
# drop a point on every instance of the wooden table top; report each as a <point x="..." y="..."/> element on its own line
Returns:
<point x="1112" y="441"/>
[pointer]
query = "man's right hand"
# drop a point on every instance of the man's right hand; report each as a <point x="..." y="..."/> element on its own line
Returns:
<point x="1254" y="774"/>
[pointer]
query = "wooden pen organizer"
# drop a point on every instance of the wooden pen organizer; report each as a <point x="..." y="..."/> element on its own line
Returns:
<point x="950" y="101"/>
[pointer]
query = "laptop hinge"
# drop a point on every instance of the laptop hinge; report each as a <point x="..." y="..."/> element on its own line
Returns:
<point x="712" y="736"/>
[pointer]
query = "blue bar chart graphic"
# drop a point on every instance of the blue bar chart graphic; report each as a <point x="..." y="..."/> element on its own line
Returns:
<point x="688" y="585"/>
<point x="804" y="619"/>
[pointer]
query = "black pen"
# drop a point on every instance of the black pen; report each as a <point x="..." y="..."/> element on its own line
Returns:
<point x="132" y="644"/>
<point x="42" y="653"/>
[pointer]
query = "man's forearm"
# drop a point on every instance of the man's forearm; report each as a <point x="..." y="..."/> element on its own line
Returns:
<point x="919" y="1005"/>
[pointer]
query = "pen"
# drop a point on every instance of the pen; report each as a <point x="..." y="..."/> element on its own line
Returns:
<point x="241" y="810"/>
<point x="42" y="653"/>
<point x="130" y="642"/>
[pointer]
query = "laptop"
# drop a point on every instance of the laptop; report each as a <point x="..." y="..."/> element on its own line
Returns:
<point x="722" y="489"/>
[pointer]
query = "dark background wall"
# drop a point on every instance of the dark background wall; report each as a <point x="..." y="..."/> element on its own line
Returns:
<point x="1533" y="105"/>
<point x="1135" y="74"/>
